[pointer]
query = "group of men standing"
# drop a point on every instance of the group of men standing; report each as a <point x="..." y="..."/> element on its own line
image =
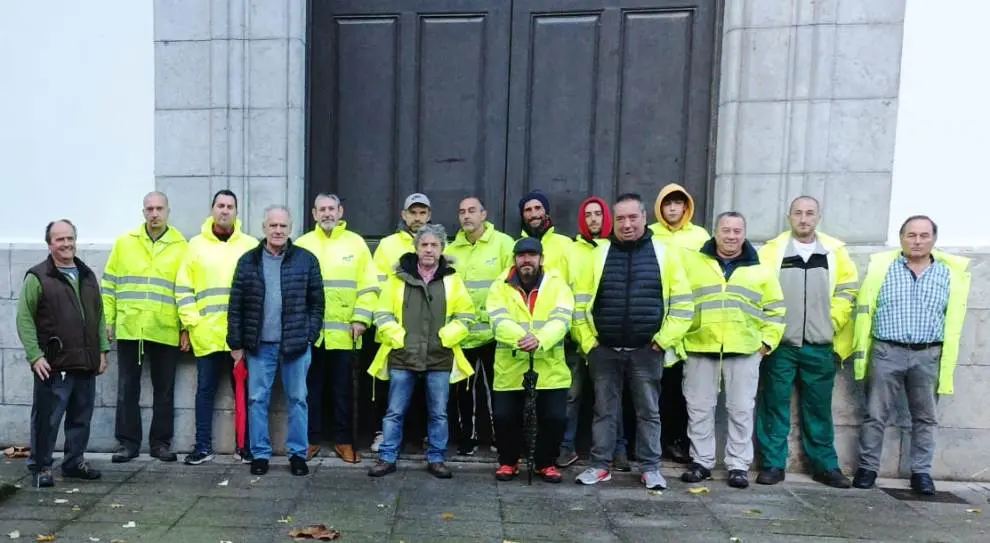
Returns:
<point x="665" y="313"/>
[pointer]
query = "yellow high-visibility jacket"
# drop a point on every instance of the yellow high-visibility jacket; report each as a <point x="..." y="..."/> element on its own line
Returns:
<point x="549" y="321"/>
<point x="479" y="264"/>
<point x="678" y="305"/>
<point x="581" y="256"/>
<point x="737" y="315"/>
<point x="350" y="282"/>
<point x="391" y="334"/>
<point x="202" y="286"/>
<point x="842" y="278"/>
<point x="689" y="237"/>
<point x="955" y="312"/>
<point x="556" y="250"/>
<point x="138" y="286"/>
<point x="389" y="249"/>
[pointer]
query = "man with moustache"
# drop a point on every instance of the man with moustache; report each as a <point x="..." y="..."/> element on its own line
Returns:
<point x="909" y="319"/>
<point x="276" y="314"/>
<point x="479" y="253"/>
<point x="534" y="208"/>
<point x="202" y="293"/>
<point x="634" y="306"/>
<point x="741" y="311"/>
<point x="350" y="285"/>
<point x="594" y="225"/>
<point x="60" y="324"/>
<point x="530" y="309"/>
<point x="138" y="288"/>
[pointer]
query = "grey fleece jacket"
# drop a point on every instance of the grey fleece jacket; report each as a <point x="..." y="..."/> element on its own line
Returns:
<point x="808" y="297"/>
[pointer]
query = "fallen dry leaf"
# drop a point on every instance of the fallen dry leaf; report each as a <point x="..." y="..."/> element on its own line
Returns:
<point x="699" y="490"/>
<point x="17" y="452"/>
<point x="285" y="520"/>
<point x="61" y="500"/>
<point x="43" y="537"/>
<point x="255" y="480"/>
<point x="225" y="482"/>
<point x="447" y="516"/>
<point x="654" y="492"/>
<point x="130" y="524"/>
<point x="76" y="508"/>
<point x="753" y="512"/>
<point x="734" y="539"/>
<point x="315" y="532"/>
<point x="976" y="511"/>
<point x="14" y="535"/>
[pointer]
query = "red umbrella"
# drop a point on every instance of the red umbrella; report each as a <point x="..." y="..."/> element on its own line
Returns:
<point x="240" y="402"/>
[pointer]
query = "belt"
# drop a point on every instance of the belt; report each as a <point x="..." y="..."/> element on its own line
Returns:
<point x="914" y="346"/>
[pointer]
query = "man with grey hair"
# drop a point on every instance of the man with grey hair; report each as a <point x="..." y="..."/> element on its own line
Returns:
<point x="423" y="315"/>
<point x="138" y="289"/>
<point x="275" y="315"/>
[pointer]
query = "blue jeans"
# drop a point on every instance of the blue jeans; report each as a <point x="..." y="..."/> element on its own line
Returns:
<point x="579" y="375"/>
<point x="402" y="383"/>
<point x="263" y="363"/>
<point x="209" y="369"/>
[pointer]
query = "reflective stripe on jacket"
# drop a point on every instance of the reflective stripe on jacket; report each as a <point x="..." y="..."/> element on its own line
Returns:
<point x="479" y="263"/>
<point x="391" y="334"/>
<point x="843" y="280"/>
<point x="677" y="299"/>
<point x="549" y="321"/>
<point x="955" y="313"/>
<point x="202" y="286"/>
<point x="737" y="315"/>
<point x="350" y="282"/>
<point x="138" y="286"/>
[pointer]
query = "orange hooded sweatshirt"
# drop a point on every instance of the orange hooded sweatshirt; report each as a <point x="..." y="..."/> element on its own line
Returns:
<point x="684" y="233"/>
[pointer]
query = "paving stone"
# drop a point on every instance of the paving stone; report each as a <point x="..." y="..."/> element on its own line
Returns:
<point x="438" y="527"/>
<point x="111" y="531"/>
<point x="650" y="535"/>
<point x="237" y="512"/>
<point x="559" y="532"/>
<point x="153" y="509"/>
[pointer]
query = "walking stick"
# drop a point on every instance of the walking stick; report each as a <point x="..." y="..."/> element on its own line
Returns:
<point x="240" y="404"/>
<point x="355" y="377"/>
<point x="529" y="416"/>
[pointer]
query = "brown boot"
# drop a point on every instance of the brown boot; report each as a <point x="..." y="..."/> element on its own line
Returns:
<point x="312" y="451"/>
<point x="347" y="454"/>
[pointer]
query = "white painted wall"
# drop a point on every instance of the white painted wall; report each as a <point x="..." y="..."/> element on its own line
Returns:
<point x="943" y="140"/>
<point x="76" y="116"/>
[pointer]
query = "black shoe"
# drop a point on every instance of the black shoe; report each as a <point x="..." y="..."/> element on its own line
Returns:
<point x="696" y="473"/>
<point x="865" y="478"/>
<point x="678" y="452"/>
<point x="467" y="449"/>
<point x="381" y="469"/>
<point x="297" y="466"/>
<point x="81" y="471"/>
<point x="244" y="456"/>
<point x="198" y="457"/>
<point x="770" y="476"/>
<point x="123" y="455"/>
<point x="922" y="484"/>
<point x="43" y="479"/>
<point x="163" y="454"/>
<point x="833" y="478"/>
<point x="439" y="470"/>
<point x="259" y="466"/>
<point x="738" y="478"/>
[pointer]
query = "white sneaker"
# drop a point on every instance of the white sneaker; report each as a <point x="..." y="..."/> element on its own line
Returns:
<point x="379" y="437"/>
<point x="592" y="476"/>
<point x="654" y="480"/>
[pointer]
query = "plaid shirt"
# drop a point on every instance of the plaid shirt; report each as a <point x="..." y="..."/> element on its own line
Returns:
<point x="912" y="309"/>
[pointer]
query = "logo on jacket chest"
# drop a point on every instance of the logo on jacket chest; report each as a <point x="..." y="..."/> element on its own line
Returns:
<point x="347" y="258"/>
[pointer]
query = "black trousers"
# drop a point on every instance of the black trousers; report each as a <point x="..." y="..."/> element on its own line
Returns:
<point x="673" y="407"/>
<point x="161" y="361"/>
<point x="71" y="395"/>
<point x="473" y="398"/>
<point x="551" y="416"/>
<point x="330" y="371"/>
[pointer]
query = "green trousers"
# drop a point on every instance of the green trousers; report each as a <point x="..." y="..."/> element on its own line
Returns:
<point x="813" y="366"/>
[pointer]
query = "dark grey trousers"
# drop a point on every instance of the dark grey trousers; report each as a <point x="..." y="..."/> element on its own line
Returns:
<point x="893" y="368"/>
<point x="68" y="394"/>
<point x="161" y="361"/>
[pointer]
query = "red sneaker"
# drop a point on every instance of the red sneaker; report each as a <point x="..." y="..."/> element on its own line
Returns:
<point x="550" y="474"/>
<point x="506" y="472"/>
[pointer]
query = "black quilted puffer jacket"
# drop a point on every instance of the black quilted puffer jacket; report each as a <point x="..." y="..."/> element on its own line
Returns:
<point x="302" y="301"/>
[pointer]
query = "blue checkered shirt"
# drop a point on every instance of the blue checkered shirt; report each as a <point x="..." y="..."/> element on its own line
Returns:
<point x="912" y="309"/>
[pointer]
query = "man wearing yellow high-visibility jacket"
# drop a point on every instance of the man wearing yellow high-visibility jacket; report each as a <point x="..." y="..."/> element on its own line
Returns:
<point x="482" y="253"/>
<point x="202" y="292"/>
<point x="530" y="310"/>
<point x="739" y="319"/>
<point x="534" y="208"/>
<point x="819" y="281"/>
<point x="423" y="315"/>
<point x="350" y="284"/>
<point x="138" y="291"/>
<point x="633" y="307"/>
<point x="909" y="319"/>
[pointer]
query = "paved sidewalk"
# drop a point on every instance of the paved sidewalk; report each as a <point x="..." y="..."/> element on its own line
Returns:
<point x="222" y="501"/>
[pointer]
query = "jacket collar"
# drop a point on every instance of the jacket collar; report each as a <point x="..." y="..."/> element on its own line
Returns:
<point x="207" y="230"/>
<point x="748" y="257"/>
<point x="334" y="234"/>
<point x="407" y="268"/>
<point x="52" y="270"/>
<point x="171" y="235"/>
<point x="461" y="237"/>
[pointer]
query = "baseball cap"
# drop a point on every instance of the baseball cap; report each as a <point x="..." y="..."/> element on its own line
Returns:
<point x="528" y="245"/>
<point x="417" y="198"/>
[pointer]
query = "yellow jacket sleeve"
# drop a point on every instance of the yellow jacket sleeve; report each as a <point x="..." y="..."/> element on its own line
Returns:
<point x="108" y="286"/>
<point x="680" y="302"/>
<point x="185" y="291"/>
<point x="388" y="331"/>
<point x="368" y="287"/>
<point x="774" y="310"/>
<point x="559" y="321"/>
<point x="461" y="311"/>
<point x="382" y="264"/>
<point x="506" y="330"/>
<point x="583" y="282"/>
<point x="846" y="289"/>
